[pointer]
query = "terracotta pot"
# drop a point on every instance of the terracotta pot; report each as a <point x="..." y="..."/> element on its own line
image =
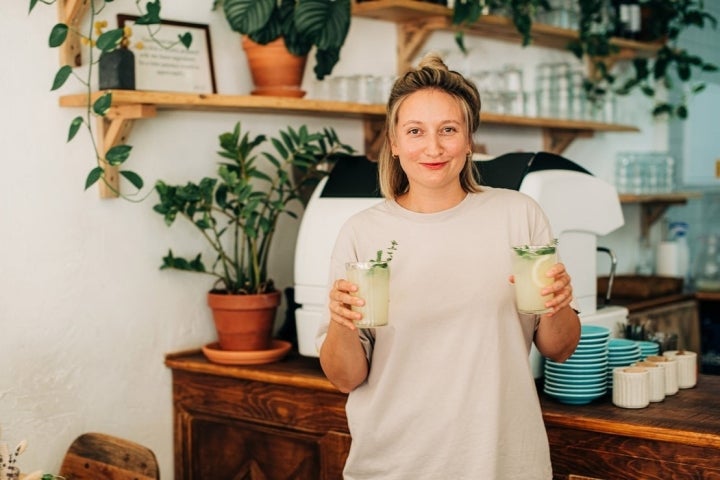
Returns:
<point x="274" y="70"/>
<point x="244" y="322"/>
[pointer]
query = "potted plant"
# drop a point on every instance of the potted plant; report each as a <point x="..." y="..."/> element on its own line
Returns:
<point x="111" y="45"/>
<point x="294" y="26"/>
<point x="666" y="19"/>
<point x="237" y="213"/>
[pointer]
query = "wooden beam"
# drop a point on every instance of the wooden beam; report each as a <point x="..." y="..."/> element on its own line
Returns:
<point x="71" y="13"/>
<point x="411" y="36"/>
<point x="374" y="131"/>
<point x="114" y="129"/>
<point x="557" y="140"/>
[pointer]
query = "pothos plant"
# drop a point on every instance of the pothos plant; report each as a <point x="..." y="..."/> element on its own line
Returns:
<point x="96" y="37"/>
<point x="670" y="18"/>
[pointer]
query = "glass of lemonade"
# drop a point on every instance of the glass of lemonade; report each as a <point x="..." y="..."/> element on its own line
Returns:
<point x="373" y="282"/>
<point x="529" y="264"/>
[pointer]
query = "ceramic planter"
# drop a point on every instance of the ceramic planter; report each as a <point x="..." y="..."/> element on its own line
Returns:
<point x="244" y="322"/>
<point x="116" y="70"/>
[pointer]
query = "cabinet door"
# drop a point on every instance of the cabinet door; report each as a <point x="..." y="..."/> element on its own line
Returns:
<point x="702" y="152"/>
<point x="223" y="449"/>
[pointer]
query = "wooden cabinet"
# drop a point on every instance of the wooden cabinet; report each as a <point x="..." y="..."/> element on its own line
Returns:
<point x="286" y="421"/>
<point x="709" y="312"/>
<point x="677" y="438"/>
<point x="278" y="421"/>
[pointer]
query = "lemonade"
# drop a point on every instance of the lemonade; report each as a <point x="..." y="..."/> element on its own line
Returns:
<point x="373" y="283"/>
<point x="530" y="263"/>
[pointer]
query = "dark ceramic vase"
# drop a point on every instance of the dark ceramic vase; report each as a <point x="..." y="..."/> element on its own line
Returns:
<point x="116" y="70"/>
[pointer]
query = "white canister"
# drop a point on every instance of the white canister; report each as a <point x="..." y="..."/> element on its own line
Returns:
<point x="667" y="259"/>
<point x="686" y="366"/>
<point x="631" y="387"/>
<point x="671" y="375"/>
<point x="657" y="380"/>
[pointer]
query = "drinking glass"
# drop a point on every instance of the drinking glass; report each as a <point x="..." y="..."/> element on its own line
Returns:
<point x="530" y="263"/>
<point x="373" y="282"/>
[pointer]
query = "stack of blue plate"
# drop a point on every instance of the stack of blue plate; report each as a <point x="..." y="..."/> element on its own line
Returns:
<point x="583" y="377"/>
<point x="622" y="352"/>
<point x="648" y="348"/>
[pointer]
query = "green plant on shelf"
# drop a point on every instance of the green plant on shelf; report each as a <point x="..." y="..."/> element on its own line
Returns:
<point x="95" y="37"/>
<point x="671" y="68"/>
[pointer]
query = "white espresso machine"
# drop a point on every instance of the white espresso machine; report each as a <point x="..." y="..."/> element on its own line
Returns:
<point x="580" y="208"/>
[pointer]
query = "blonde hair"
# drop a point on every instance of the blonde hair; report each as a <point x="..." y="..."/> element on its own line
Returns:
<point x="431" y="73"/>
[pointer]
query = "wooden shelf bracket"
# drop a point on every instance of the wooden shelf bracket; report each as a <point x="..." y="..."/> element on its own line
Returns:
<point x="556" y="140"/>
<point x="71" y="12"/>
<point x="373" y="130"/>
<point x="114" y="129"/>
<point x="412" y="37"/>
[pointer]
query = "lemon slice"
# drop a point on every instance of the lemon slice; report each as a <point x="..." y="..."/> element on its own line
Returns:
<point x="540" y="266"/>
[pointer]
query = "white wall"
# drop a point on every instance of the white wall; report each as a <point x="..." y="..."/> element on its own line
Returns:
<point x="86" y="315"/>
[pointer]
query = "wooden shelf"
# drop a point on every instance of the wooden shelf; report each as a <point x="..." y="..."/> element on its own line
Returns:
<point x="130" y="105"/>
<point x="654" y="205"/>
<point x="417" y="20"/>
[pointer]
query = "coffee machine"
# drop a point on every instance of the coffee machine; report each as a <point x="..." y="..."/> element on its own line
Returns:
<point x="580" y="208"/>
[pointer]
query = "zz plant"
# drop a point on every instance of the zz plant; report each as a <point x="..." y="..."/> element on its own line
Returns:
<point x="237" y="212"/>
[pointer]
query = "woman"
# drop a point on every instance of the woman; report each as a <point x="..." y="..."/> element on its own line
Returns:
<point x="445" y="391"/>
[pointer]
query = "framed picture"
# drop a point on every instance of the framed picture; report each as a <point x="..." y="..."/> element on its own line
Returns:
<point x="164" y="64"/>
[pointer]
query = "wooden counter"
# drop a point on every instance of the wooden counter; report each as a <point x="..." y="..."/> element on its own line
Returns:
<point x="677" y="438"/>
<point x="285" y="420"/>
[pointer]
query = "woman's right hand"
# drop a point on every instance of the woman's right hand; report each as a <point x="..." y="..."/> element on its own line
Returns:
<point x="340" y="302"/>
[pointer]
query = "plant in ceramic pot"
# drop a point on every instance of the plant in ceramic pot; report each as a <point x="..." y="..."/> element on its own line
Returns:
<point x="106" y="42"/>
<point x="295" y="26"/>
<point x="237" y="213"/>
<point x="116" y="65"/>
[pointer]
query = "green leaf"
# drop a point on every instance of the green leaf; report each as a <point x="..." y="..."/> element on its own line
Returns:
<point x="186" y="39"/>
<point x="58" y="34"/>
<point x="94" y="175"/>
<point x="102" y="104"/>
<point x="152" y="14"/>
<point x="248" y="17"/>
<point x="74" y="127"/>
<point x="118" y="154"/>
<point x="110" y="40"/>
<point x="61" y="77"/>
<point x="133" y="178"/>
<point x="32" y="5"/>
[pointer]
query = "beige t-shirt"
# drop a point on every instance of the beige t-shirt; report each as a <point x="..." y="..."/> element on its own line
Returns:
<point x="450" y="393"/>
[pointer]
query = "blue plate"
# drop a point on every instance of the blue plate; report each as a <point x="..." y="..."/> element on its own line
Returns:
<point x="593" y="331"/>
<point x="622" y="344"/>
<point x="575" y="399"/>
<point x="570" y="386"/>
<point x="580" y="377"/>
<point x="588" y="355"/>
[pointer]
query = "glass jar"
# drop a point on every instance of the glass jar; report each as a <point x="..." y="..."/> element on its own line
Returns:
<point x="706" y="271"/>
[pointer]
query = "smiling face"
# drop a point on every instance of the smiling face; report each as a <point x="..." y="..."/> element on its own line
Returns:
<point x="432" y="142"/>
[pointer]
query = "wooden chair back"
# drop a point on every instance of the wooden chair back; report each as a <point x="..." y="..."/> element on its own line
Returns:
<point x="96" y="456"/>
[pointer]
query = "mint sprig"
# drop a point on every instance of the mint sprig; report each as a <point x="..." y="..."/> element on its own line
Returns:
<point x="528" y="251"/>
<point x="378" y="262"/>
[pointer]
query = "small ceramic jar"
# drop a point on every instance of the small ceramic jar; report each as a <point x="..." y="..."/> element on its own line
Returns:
<point x="631" y="387"/>
<point x="687" y="367"/>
